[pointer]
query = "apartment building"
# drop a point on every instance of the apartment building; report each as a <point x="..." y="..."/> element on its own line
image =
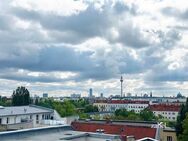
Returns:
<point x="167" y="111"/>
<point x="112" y="105"/>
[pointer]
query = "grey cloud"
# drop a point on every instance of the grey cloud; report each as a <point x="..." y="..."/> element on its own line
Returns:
<point x="29" y="49"/>
<point x="46" y="59"/>
<point x="167" y="39"/>
<point x="98" y="65"/>
<point x="179" y="27"/>
<point x="132" y="36"/>
<point x="120" y="7"/>
<point x="170" y="38"/>
<point x="26" y="78"/>
<point x="86" y="24"/>
<point x="5" y="23"/>
<point x="178" y="75"/>
<point x="174" y="12"/>
<point x="90" y="23"/>
<point x="162" y="74"/>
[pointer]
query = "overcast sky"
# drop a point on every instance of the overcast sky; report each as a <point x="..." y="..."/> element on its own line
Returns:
<point x="68" y="46"/>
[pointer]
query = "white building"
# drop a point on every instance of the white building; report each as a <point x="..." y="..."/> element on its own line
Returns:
<point x="17" y="117"/>
<point x="112" y="105"/>
<point x="169" y="112"/>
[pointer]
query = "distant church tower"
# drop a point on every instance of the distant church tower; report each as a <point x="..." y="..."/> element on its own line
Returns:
<point x="121" y="80"/>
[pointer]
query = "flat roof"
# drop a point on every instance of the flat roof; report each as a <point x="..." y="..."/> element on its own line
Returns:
<point x="23" y="110"/>
<point x="56" y="133"/>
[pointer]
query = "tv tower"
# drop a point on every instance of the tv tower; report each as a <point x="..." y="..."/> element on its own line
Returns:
<point x="121" y="80"/>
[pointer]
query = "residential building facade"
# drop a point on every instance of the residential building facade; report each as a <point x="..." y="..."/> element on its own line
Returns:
<point x="112" y="105"/>
<point x="167" y="111"/>
<point x="19" y="117"/>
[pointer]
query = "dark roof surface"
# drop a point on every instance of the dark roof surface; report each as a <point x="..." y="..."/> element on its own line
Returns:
<point x="165" y="107"/>
<point x="124" y="130"/>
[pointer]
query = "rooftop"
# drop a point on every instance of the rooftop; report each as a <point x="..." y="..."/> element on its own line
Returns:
<point x="135" y="130"/>
<point x="23" y="110"/>
<point x="55" y="133"/>
<point x="165" y="107"/>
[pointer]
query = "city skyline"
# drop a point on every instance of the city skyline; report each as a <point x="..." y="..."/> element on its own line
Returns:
<point x="64" y="47"/>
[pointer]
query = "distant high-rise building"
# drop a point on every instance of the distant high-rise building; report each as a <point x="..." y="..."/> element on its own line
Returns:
<point x="151" y="94"/>
<point x="90" y="92"/>
<point x="101" y="95"/>
<point x="45" y="95"/>
<point x="129" y="94"/>
<point x="75" y="95"/>
<point x="121" y="80"/>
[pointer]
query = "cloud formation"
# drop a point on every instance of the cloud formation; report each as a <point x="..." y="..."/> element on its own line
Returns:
<point x="83" y="44"/>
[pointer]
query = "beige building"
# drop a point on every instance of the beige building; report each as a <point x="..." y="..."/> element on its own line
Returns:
<point x="168" y="134"/>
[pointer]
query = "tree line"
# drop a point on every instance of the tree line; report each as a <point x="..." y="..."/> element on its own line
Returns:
<point x="182" y="123"/>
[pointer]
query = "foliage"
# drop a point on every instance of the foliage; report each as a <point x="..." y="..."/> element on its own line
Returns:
<point x="147" y="115"/>
<point x="81" y="103"/>
<point x="4" y="101"/>
<point x="123" y="114"/>
<point x="181" y="117"/>
<point x="65" y="108"/>
<point x="48" y="103"/>
<point x="84" y="116"/>
<point x="96" y="117"/>
<point x="69" y="107"/>
<point x="90" y="108"/>
<point x="184" y="135"/>
<point x="167" y="122"/>
<point x="20" y="97"/>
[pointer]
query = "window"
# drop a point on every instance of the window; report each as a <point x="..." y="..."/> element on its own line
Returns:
<point x="7" y="120"/>
<point x="169" y="138"/>
<point x="37" y="119"/>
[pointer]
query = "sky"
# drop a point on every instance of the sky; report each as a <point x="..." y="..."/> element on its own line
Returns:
<point x="62" y="47"/>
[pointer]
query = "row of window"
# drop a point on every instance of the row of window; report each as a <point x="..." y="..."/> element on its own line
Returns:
<point x="166" y="113"/>
<point x="170" y="118"/>
<point x="44" y="116"/>
<point x="140" y="107"/>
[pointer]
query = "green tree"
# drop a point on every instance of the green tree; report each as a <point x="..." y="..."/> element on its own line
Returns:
<point x="69" y="108"/>
<point x="121" y="112"/>
<point x="180" y="118"/>
<point x="90" y="108"/>
<point x="184" y="135"/>
<point x="147" y="115"/>
<point x="4" y="101"/>
<point x="20" y="97"/>
<point x="84" y="116"/>
<point x="133" y="116"/>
